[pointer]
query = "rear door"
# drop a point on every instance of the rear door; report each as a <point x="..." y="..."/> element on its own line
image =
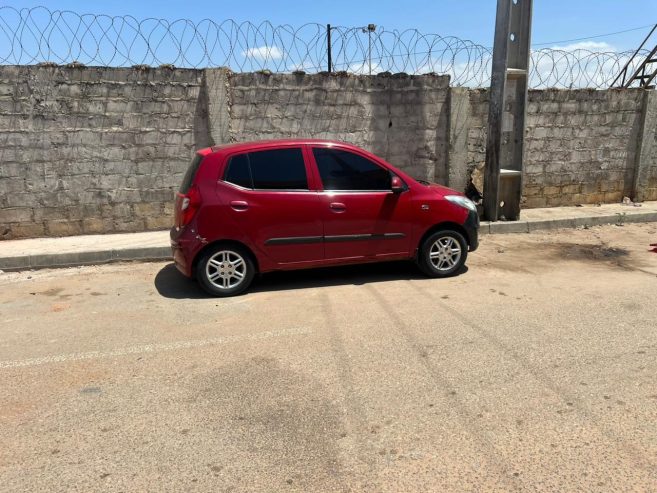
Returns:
<point x="362" y="216"/>
<point x="268" y="196"/>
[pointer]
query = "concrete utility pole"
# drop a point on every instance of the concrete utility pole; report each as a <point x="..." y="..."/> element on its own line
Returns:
<point x="506" y="115"/>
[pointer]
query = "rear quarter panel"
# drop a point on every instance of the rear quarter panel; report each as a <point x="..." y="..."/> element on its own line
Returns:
<point x="213" y="222"/>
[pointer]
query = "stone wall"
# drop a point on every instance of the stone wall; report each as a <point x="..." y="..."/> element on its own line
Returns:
<point x="580" y="147"/>
<point x="650" y="186"/>
<point x="400" y="118"/>
<point x="646" y="175"/>
<point x="93" y="150"/>
<point x="99" y="150"/>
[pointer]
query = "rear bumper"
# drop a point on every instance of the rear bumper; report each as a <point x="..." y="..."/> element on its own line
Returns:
<point x="471" y="226"/>
<point x="179" y="259"/>
<point x="183" y="250"/>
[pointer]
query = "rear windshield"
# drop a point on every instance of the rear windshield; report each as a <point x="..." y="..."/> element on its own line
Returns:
<point x="191" y="173"/>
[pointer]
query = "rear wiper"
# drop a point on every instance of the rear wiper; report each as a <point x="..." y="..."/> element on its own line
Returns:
<point x="424" y="182"/>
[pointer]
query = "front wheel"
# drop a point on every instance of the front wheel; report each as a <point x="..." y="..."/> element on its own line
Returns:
<point x="225" y="270"/>
<point x="442" y="254"/>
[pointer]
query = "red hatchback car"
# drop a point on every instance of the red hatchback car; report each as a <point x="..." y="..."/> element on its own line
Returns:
<point x="294" y="204"/>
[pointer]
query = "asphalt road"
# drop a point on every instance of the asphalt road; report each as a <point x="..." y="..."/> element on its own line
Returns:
<point x="534" y="370"/>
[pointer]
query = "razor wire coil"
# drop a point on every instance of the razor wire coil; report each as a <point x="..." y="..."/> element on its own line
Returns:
<point x="39" y="35"/>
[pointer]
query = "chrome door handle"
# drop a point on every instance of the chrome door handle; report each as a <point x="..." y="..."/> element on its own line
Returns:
<point x="239" y="205"/>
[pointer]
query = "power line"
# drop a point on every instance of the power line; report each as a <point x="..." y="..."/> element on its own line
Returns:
<point x="593" y="37"/>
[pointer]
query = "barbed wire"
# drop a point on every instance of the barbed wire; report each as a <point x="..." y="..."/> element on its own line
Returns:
<point x="36" y="35"/>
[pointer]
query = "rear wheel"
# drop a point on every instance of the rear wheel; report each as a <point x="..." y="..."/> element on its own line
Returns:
<point x="442" y="254"/>
<point x="225" y="270"/>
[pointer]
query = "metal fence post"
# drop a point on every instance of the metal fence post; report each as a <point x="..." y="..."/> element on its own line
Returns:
<point x="328" y="43"/>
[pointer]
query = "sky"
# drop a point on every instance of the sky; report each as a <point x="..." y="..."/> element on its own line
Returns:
<point x="592" y="37"/>
<point x="554" y="20"/>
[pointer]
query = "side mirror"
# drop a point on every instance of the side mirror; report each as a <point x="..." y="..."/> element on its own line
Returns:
<point x="397" y="185"/>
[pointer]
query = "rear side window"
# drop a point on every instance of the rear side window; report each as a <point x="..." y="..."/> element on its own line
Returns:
<point x="277" y="169"/>
<point x="188" y="179"/>
<point x="344" y="170"/>
<point x="238" y="171"/>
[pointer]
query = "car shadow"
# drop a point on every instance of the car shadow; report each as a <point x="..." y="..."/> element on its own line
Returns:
<point x="172" y="284"/>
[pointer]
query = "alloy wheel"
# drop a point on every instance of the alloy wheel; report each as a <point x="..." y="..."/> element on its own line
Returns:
<point x="226" y="269"/>
<point x="445" y="253"/>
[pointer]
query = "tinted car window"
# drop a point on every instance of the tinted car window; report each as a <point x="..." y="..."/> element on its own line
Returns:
<point x="238" y="171"/>
<point x="278" y="169"/>
<point x="188" y="179"/>
<point x="343" y="170"/>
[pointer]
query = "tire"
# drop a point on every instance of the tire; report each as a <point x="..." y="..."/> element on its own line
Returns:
<point x="445" y="261"/>
<point x="225" y="270"/>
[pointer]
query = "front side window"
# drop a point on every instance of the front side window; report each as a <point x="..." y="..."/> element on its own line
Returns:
<point x="276" y="169"/>
<point x="344" y="170"/>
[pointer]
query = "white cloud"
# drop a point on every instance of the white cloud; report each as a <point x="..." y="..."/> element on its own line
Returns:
<point x="587" y="45"/>
<point x="363" y="68"/>
<point x="263" y="53"/>
<point x="462" y="73"/>
<point x="582" y="64"/>
<point x="307" y="66"/>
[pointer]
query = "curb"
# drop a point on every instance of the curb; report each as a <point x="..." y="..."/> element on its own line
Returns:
<point x="74" y="259"/>
<point x="500" y="227"/>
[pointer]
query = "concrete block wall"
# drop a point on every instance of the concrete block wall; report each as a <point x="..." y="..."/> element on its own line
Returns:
<point x="580" y="147"/>
<point x="401" y="118"/>
<point x="93" y="150"/>
<point x="646" y="174"/>
<point x="100" y="150"/>
<point x="650" y="190"/>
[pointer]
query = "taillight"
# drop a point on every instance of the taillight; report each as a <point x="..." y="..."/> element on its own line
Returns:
<point x="189" y="204"/>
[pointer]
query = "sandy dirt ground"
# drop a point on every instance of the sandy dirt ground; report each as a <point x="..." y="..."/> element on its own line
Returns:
<point x="533" y="370"/>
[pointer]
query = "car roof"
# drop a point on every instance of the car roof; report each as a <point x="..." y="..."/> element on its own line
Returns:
<point x="273" y="143"/>
<point x="232" y="148"/>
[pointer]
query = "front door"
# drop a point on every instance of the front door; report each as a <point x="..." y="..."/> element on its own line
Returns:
<point x="363" y="218"/>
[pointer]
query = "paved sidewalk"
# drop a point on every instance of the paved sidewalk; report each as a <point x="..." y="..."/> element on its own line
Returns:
<point x="70" y="251"/>
<point x="97" y="249"/>
<point x="573" y="217"/>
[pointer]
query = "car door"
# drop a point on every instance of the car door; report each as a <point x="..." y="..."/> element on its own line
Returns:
<point x="267" y="195"/>
<point x="362" y="216"/>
